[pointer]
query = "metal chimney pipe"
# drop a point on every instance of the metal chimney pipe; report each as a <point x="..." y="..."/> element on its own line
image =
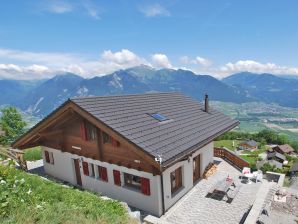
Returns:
<point x="206" y="103"/>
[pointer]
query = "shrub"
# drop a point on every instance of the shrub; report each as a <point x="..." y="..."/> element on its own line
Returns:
<point x="33" y="154"/>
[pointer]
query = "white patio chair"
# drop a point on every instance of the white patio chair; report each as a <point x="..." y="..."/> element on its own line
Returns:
<point x="246" y="173"/>
<point x="259" y="176"/>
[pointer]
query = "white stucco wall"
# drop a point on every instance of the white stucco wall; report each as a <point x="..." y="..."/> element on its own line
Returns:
<point x="187" y="174"/>
<point x="63" y="169"/>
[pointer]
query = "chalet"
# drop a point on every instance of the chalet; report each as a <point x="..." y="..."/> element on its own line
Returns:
<point x="276" y="159"/>
<point x="283" y="149"/>
<point x="147" y="150"/>
<point x="248" y="145"/>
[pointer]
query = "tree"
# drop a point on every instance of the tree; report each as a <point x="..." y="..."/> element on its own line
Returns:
<point x="294" y="144"/>
<point x="12" y="124"/>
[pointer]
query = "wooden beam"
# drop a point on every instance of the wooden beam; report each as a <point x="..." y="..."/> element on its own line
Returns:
<point x="42" y="125"/>
<point x="99" y="144"/>
<point x="49" y="133"/>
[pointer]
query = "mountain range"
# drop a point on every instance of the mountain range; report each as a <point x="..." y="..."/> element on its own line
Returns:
<point x="267" y="88"/>
<point x="39" y="97"/>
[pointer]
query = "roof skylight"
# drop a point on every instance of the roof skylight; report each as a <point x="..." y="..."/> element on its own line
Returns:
<point x="159" y="117"/>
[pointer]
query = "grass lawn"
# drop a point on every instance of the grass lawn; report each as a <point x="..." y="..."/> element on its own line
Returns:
<point x="26" y="198"/>
<point x="227" y="143"/>
<point x="251" y="159"/>
<point x="33" y="154"/>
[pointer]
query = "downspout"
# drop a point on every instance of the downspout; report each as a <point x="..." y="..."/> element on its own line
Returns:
<point x="159" y="159"/>
<point x="162" y="194"/>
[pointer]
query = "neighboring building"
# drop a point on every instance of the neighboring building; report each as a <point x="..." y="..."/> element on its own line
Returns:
<point x="147" y="150"/>
<point x="283" y="149"/>
<point x="276" y="159"/>
<point x="248" y="145"/>
<point x="294" y="169"/>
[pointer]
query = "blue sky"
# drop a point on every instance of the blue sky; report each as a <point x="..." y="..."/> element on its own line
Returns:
<point x="39" y="38"/>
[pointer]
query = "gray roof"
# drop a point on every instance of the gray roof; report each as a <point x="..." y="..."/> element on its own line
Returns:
<point x="294" y="168"/>
<point x="251" y="143"/>
<point x="275" y="154"/>
<point x="188" y="125"/>
<point x="276" y="164"/>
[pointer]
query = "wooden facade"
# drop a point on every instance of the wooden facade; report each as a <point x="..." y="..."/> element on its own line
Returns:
<point x="63" y="131"/>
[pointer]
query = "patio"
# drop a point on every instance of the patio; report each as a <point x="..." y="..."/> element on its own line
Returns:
<point x="195" y="207"/>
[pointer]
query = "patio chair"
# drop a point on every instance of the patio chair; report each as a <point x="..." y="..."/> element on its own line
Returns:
<point x="247" y="174"/>
<point x="259" y="176"/>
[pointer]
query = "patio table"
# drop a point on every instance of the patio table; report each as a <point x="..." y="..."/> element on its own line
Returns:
<point x="223" y="185"/>
<point x="221" y="188"/>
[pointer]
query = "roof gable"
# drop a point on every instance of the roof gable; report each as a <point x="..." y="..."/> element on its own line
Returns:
<point x="285" y="148"/>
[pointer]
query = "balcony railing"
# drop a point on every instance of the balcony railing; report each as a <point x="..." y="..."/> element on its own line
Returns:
<point x="231" y="157"/>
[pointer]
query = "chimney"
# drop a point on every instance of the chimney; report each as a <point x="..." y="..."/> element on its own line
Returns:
<point x="206" y="103"/>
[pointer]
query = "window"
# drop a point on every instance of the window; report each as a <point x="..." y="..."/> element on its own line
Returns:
<point x="106" y="138"/>
<point x="91" y="170"/>
<point x="91" y="132"/>
<point x="176" y="180"/>
<point x="138" y="183"/>
<point x="88" y="131"/>
<point x="132" y="181"/>
<point x="49" y="157"/>
<point x="159" y="117"/>
<point x="110" y="140"/>
<point x="102" y="173"/>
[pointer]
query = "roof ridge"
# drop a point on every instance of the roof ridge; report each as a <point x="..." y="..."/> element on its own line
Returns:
<point x="125" y="95"/>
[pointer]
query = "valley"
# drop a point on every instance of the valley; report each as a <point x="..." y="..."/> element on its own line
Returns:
<point x="255" y="116"/>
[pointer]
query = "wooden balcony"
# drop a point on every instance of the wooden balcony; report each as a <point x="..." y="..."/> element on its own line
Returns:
<point x="231" y="157"/>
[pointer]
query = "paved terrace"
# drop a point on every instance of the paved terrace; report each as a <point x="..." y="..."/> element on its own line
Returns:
<point x="194" y="207"/>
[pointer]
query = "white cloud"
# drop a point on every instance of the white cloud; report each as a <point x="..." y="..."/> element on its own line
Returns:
<point x="161" y="60"/>
<point x="122" y="57"/>
<point x="154" y="10"/>
<point x="66" y="6"/>
<point x="28" y="65"/>
<point x="196" y="61"/>
<point x="12" y="71"/>
<point x="257" y="67"/>
<point x="203" y="61"/>
<point x="58" y="7"/>
<point x="92" y="9"/>
<point x="54" y="59"/>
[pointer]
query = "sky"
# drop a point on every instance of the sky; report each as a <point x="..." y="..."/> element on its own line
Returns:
<point x="41" y="38"/>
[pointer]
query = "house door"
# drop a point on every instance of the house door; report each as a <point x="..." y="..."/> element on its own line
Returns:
<point x="77" y="171"/>
<point x="196" y="168"/>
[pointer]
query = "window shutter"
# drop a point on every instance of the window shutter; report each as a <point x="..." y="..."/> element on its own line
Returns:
<point x="145" y="186"/>
<point x="117" y="180"/>
<point x="83" y="131"/>
<point x="47" y="155"/>
<point x="104" y="174"/>
<point x="114" y="142"/>
<point x="85" y="169"/>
